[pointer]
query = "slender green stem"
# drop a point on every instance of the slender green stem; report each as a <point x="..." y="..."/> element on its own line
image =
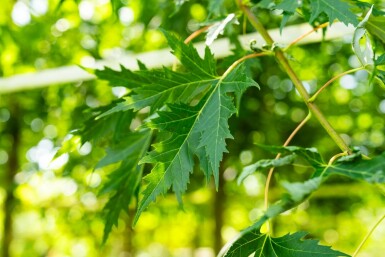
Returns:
<point x="271" y="171"/>
<point x="368" y="235"/>
<point x="282" y="60"/>
<point x="312" y="99"/>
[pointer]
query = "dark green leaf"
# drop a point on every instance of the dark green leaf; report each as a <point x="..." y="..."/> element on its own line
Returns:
<point x="365" y="5"/>
<point x="376" y="27"/>
<point x="155" y="88"/>
<point x="190" y="59"/>
<point x="122" y="77"/>
<point x="253" y="241"/>
<point x="199" y="130"/>
<point x="111" y="126"/>
<point x="372" y="171"/>
<point x="334" y="9"/>
<point x="124" y="181"/>
<point x="309" y="154"/>
<point x="288" y="7"/>
<point x="380" y="60"/>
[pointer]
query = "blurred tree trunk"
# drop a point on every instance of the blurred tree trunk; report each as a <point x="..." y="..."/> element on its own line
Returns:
<point x="129" y="247"/>
<point x="219" y="205"/>
<point x="12" y="167"/>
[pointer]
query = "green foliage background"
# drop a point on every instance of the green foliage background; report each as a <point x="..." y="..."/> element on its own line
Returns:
<point x="56" y="208"/>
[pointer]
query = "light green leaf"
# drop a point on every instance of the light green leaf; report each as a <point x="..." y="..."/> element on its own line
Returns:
<point x="266" y="164"/>
<point x="299" y="191"/>
<point x="334" y="9"/>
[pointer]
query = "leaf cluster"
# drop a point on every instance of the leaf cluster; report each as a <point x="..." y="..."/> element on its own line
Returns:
<point x="187" y="109"/>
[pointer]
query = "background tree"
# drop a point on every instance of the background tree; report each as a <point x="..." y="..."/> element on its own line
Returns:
<point x="61" y="202"/>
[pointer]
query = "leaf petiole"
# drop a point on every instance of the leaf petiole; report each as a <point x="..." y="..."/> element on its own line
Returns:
<point x="313" y="98"/>
<point x="295" y="41"/>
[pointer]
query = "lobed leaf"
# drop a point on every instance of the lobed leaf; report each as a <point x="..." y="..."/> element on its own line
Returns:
<point x="199" y="130"/>
<point x="155" y="88"/>
<point x="334" y="9"/>
<point x="252" y="241"/>
<point x="121" y="78"/>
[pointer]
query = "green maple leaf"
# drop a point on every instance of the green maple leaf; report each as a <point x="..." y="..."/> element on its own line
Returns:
<point x="252" y="241"/>
<point x="334" y="9"/>
<point x="199" y="130"/>
<point x="188" y="129"/>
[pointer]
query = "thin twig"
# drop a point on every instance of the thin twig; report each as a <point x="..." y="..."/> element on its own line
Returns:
<point x="196" y="34"/>
<point x="313" y="98"/>
<point x="335" y="157"/>
<point x="271" y="171"/>
<point x="368" y="235"/>
<point x="295" y="41"/>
